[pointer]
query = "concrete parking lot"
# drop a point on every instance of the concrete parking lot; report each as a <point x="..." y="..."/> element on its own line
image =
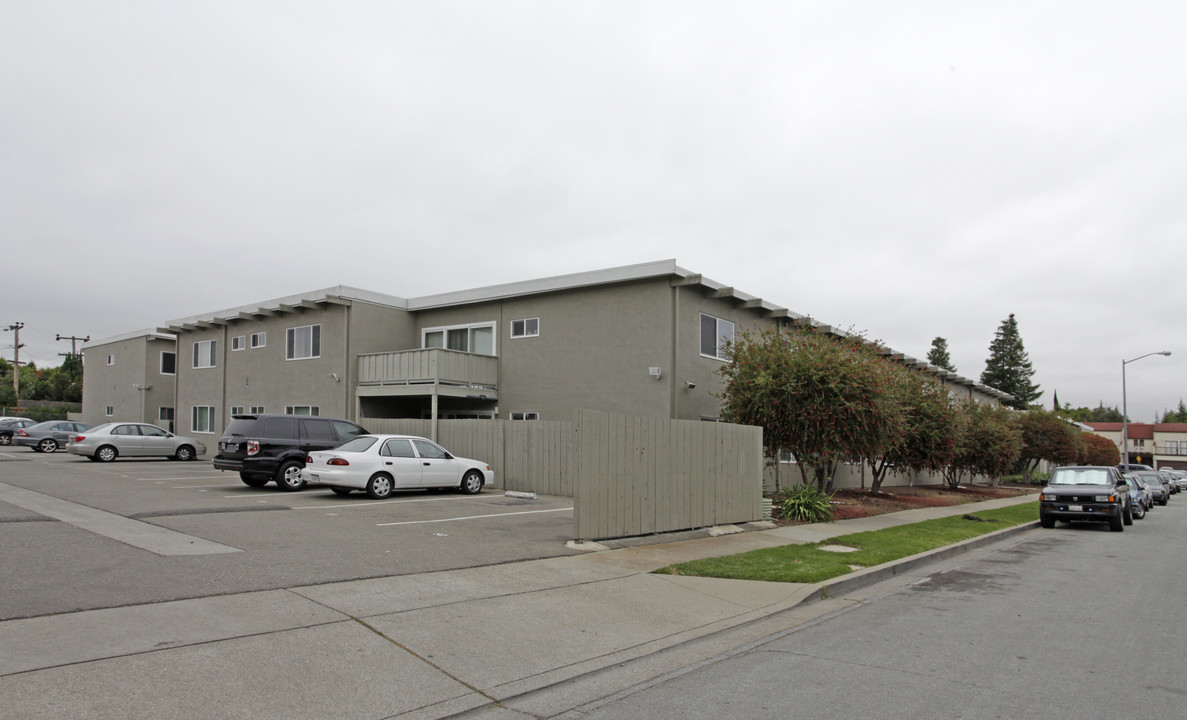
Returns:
<point x="79" y="535"/>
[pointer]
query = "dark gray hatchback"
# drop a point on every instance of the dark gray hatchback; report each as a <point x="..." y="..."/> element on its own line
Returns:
<point x="265" y="448"/>
<point x="1090" y="492"/>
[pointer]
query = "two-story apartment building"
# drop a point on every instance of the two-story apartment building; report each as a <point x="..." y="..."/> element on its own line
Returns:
<point x="1159" y="445"/>
<point x="642" y="340"/>
<point x="130" y="377"/>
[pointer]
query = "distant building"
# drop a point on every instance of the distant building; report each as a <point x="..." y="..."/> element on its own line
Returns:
<point x="1159" y="445"/>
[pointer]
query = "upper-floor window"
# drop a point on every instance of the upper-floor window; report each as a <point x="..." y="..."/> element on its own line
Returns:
<point x="302" y="342"/>
<point x="259" y="340"/>
<point x="168" y="363"/>
<point x="478" y="338"/>
<point x="302" y="410"/>
<point x="528" y="327"/>
<point x="111" y="359"/>
<point x="204" y="353"/>
<point x="716" y="334"/>
<point x="110" y="411"/>
<point x="238" y="342"/>
<point x="525" y="415"/>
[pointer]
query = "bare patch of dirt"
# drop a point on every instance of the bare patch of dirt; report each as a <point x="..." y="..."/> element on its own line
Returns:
<point x="849" y="504"/>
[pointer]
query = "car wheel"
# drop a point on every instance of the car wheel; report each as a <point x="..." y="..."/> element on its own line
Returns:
<point x="288" y="476"/>
<point x="1117" y="524"/>
<point x="184" y="453"/>
<point x="1047" y="522"/>
<point x="5" y="439"/>
<point x="341" y="490"/>
<point x="106" y="454"/>
<point x="1140" y="511"/>
<point x="471" y="483"/>
<point x="50" y="445"/>
<point x="253" y="479"/>
<point x="379" y="486"/>
<point x="1127" y="517"/>
<point x="1162" y="500"/>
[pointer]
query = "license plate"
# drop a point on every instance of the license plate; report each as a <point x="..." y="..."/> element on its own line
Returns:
<point x="1075" y="508"/>
<point x="230" y="447"/>
<point x="314" y="477"/>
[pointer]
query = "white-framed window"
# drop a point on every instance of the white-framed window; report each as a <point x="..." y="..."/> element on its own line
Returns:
<point x="525" y="415"/>
<point x="110" y="411"/>
<point x="259" y="340"/>
<point x="202" y="419"/>
<point x="239" y="342"/>
<point x="477" y="338"/>
<point x="302" y="343"/>
<point x="204" y="353"/>
<point x="302" y="410"/>
<point x="255" y="410"/>
<point x="168" y="363"/>
<point x="715" y="335"/>
<point x="528" y="327"/>
<point x="236" y="409"/>
<point x="111" y="359"/>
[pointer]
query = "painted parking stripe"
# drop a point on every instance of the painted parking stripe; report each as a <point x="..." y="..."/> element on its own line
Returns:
<point x="473" y="517"/>
<point x="389" y="501"/>
<point x="159" y="540"/>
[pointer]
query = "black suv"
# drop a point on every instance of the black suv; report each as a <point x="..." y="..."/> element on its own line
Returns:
<point x="1086" y="493"/>
<point x="273" y="447"/>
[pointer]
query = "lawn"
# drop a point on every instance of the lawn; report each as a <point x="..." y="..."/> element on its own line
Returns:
<point x="810" y="564"/>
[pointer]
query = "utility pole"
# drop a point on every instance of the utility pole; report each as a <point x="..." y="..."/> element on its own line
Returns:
<point x="16" y="358"/>
<point x="73" y="343"/>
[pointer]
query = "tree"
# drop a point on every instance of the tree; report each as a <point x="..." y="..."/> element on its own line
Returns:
<point x="824" y="399"/>
<point x="988" y="443"/>
<point x="1046" y="436"/>
<point x="1099" y="450"/>
<point x="1008" y="368"/>
<point x="927" y="436"/>
<point x="1176" y="416"/>
<point x="938" y="355"/>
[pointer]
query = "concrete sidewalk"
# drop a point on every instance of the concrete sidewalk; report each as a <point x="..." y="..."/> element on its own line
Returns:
<point x="539" y="637"/>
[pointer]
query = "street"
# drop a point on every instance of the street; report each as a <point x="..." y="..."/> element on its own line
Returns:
<point x="1071" y="622"/>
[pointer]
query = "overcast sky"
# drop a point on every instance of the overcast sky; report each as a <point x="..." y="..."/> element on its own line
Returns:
<point x="909" y="169"/>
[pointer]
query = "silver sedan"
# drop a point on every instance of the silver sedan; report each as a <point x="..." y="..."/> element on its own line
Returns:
<point x="108" y="441"/>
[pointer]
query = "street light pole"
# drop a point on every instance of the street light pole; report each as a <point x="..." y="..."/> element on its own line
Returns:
<point x="1125" y="405"/>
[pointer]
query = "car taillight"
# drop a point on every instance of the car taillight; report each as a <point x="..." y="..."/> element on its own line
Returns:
<point x="253" y="447"/>
<point x="22" y="433"/>
<point x="79" y="438"/>
<point x="337" y="461"/>
<point x="308" y="460"/>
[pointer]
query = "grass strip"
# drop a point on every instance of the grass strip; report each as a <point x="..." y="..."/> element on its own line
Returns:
<point x="810" y="564"/>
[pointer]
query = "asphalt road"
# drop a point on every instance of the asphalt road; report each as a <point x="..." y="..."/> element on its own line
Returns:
<point x="79" y="535"/>
<point x="1075" y="622"/>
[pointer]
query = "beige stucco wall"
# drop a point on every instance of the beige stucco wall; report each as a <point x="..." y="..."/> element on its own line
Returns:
<point x="123" y="384"/>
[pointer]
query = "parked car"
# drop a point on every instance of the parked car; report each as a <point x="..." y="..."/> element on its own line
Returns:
<point x="1138" y="497"/>
<point x="9" y="426"/>
<point x="380" y="464"/>
<point x="1130" y="467"/>
<point x="48" y="436"/>
<point x="1091" y="492"/>
<point x="1154" y="486"/>
<point x="1147" y="496"/>
<point x="264" y="448"/>
<point x="108" y="441"/>
<point x="1169" y="479"/>
<point x="1180" y="478"/>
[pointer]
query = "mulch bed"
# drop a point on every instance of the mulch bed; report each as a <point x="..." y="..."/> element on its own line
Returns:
<point x="849" y="504"/>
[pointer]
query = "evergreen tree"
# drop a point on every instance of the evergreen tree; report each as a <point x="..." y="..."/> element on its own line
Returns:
<point x="1055" y="400"/>
<point x="938" y="355"/>
<point x="1176" y="416"/>
<point x="1008" y="368"/>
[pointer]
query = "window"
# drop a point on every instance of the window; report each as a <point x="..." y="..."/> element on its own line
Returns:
<point x="428" y="450"/>
<point x="302" y="410"/>
<point x="168" y="363"/>
<point x="477" y="339"/>
<point x="202" y="419"/>
<point x="165" y="413"/>
<point x="238" y="342"/>
<point x="204" y="353"/>
<point x="525" y="415"/>
<point x="302" y="343"/>
<point x="111" y="359"/>
<point x="236" y="409"/>
<point x="318" y="430"/>
<point x="529" y="327"/>
<point x="397" y="447"/>
<point x="715" y="335"/>
<point x="259" y="340"/>
<point x="1170" y="447"/>
<point x="256" y="410"/>
<point x="110" y="411"/>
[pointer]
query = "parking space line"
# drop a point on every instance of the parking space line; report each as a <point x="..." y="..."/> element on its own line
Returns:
<point x="473" y="517"/>
<point x="145" y="536"/>
<point x="392" y="500"/>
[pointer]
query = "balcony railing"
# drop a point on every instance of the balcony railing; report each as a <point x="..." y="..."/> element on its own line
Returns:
<point x="429" y="366"/>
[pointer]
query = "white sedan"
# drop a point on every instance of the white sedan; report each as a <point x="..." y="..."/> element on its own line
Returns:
<point x="381" y="464"/>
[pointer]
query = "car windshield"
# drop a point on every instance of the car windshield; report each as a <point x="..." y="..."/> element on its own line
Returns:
<point x="1080" y="476"/>
<point x="359" y="444"/>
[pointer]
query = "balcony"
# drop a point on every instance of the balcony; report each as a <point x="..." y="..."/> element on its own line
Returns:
<point x="428" y="371"/>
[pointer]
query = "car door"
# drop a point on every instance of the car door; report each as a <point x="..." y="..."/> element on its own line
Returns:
<point x="399" y="459"/>
<point x="155" y="441"/>
<point x="317" y="435"/>
<point x="438" y="468"/>
<point x="62" y="432"/>
<point x="127" y="440"/>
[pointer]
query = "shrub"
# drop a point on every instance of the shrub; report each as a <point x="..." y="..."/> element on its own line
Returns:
<point x="805" y="503"/>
